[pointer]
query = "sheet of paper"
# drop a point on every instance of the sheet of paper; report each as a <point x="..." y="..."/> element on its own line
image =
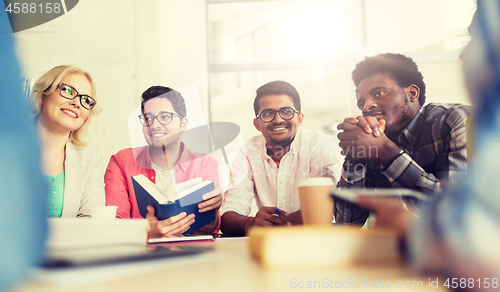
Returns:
<point x="187" y="184"/>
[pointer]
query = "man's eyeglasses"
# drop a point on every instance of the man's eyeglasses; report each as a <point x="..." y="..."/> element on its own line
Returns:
<point x="69" y="92"/>
<point x="163" y="118"/>
<point x="286" y="113"/>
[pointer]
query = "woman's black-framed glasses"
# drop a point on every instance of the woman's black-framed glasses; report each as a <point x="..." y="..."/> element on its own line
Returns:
<point x="163" y="118"/>
<point x="286" y="113"/>
<point x="69" y="92"/>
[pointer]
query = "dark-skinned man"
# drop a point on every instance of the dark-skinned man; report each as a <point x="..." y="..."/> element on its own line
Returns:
<point x="398" y="142"/>
<point x="273" y="163"/>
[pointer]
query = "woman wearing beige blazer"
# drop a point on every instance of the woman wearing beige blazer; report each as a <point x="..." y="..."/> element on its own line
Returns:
<point x="64" y="103"/>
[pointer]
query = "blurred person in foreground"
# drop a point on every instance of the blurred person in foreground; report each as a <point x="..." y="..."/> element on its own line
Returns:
<point x="459" y="233"/>
<point x="23" y="197"/>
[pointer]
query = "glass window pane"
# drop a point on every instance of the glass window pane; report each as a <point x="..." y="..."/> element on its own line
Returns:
<point x="315" y="44"/>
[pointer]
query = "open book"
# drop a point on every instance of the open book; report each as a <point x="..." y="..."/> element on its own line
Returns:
<point x="189" y="195"/>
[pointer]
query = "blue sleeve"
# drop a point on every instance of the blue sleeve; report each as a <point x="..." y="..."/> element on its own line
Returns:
<point x="458" y="233"/>
<point x="23" y="196"/>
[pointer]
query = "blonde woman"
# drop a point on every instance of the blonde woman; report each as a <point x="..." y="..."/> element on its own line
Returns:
<point x="64" y="102"/>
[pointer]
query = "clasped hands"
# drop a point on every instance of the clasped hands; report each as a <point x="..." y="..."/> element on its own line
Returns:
<point x="181" y="222"/>
<point x="364" y="138"/>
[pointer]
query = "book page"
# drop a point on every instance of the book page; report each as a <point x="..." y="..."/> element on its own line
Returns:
<point x="165" y="182"/>
<point x="192" y="189"/>
<point x="151" y="188"/>
<point x="188" y="184"/>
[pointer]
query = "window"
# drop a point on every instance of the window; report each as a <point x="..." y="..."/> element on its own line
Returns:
<point x="315" y="44"/>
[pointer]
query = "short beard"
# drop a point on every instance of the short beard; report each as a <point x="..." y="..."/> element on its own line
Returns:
<point x="404" y="112"/>
<point x="283" y="141"/>
<point x="167" y="144"/>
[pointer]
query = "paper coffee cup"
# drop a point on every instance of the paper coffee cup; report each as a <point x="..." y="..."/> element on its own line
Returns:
<point x="315" y="201"/>
<point x="103" y="212"/>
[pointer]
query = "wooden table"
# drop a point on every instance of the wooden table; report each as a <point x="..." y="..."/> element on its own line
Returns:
<point x="230" y="268"/>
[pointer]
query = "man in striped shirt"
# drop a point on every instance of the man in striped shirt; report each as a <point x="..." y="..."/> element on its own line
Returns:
<point x="398" y="142"/>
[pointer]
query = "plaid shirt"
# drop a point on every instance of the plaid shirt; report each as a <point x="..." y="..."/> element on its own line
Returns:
<point x="433" y="149"/>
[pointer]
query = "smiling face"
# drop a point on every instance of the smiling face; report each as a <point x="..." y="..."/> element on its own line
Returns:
<point x="278" y="132"/>
<point x="63" y="115"/>
<point x="380" y="96"/>
<point x="158" y="135"/>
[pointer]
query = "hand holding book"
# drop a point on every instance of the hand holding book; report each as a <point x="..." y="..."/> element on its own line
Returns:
<point x="390" y="213"/>
<point x="173" y="215"/>
<point x="174" y="225"/>
<point x="211" y="200"/>
<point x="388" y="204"/>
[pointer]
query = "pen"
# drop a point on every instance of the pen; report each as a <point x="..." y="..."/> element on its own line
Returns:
<point x="278" y="212"/>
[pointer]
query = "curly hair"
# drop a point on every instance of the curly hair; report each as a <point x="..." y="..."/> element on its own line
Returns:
<point x="402" y="69"/>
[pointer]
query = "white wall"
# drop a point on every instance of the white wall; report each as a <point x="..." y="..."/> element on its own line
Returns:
<point x="430" y="31"/>
<point x="183" y="43"/>
<point x="127" y="45"/>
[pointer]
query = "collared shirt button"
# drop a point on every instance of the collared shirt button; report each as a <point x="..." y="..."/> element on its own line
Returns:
<point x="54" y="192"/>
